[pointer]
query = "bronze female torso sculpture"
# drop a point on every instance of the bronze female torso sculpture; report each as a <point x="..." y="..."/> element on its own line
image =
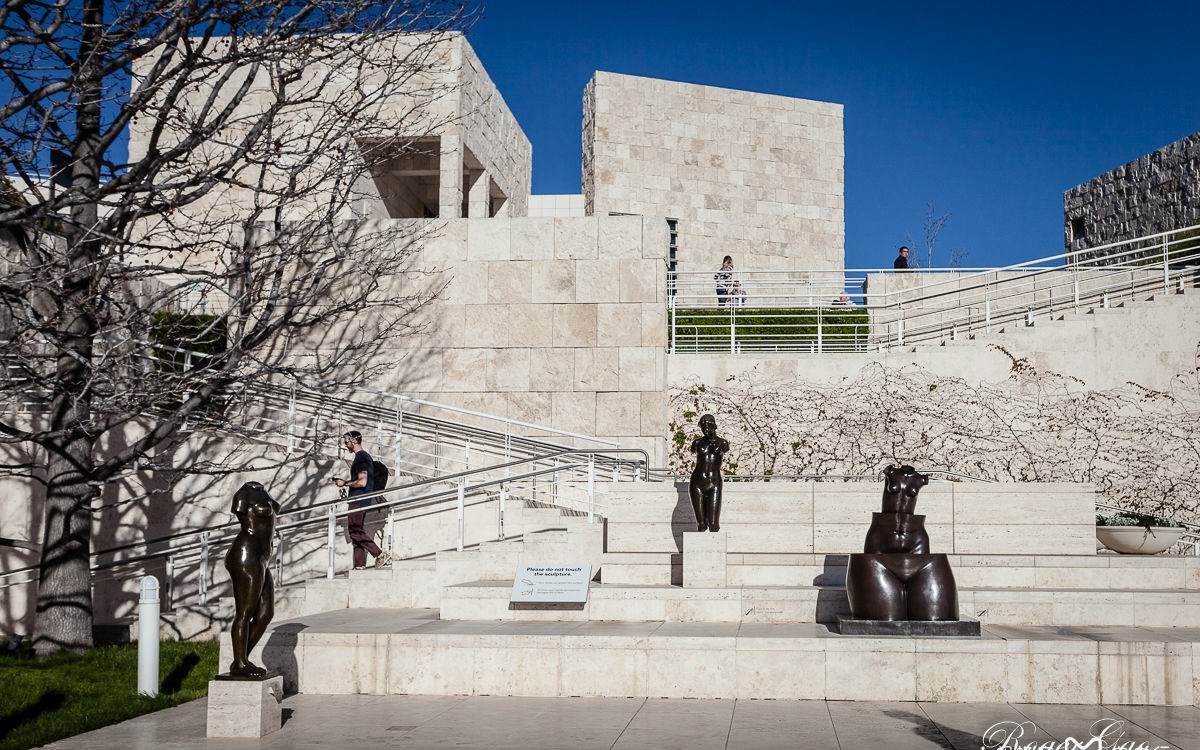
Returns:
<point x="248" y="563"/>
<point x="896" y="577"/>
<point x="706" y="485"/>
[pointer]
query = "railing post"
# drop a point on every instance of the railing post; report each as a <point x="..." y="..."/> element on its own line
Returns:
<point x="203" y="582"/>
<point x="329" y="538"/>
<point x="987" y="316"/>
<point x="900" y="330"/>
<point x="389" y="531"/>
<point x="554" y="483"/>
<point x="1075" y="280"/>
<point x="820" y="332"/>
<point x="398" y="443"/>
<point x="671" y="332"/>
<point x="1166" y="267"/>
<point x="732" y="326"/>
<point x="462" y="512"/>
<point x="291" y="426"/>
<point x="591" y="488"/>
<point x="167" y="591"/>
<point x="500" y="516"/>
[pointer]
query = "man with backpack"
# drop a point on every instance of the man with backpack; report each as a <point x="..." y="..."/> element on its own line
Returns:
<point x="361" y="482"/>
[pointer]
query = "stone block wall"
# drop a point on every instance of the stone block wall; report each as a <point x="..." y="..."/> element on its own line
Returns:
<point x="553" y="321"/>
<point x="491" y="131"/>
<point x="1155" y="193"/>
<point x="755" y="176"/>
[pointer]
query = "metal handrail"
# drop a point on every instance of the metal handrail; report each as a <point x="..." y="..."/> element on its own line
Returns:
<point x="931" y="309"/>
<point x="203" y="539"/>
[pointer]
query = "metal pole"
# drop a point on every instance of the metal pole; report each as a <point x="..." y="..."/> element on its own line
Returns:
<point x="820" y="337"/>
<point x="389" y="531"/>
<point x="203" y="568"/>
<point x="671" y="325"/>
<point x="462" y="511"/>
<point x="732" y="325"/>
<point x="291" y="438"/>
<point x="148" y="612"/>
<point x="503" y="501"/>
<point x="330" y="537"/>
<point x="398" y="441"/>
<point x="591" y="488"/>
<point x="1166" y="268"/>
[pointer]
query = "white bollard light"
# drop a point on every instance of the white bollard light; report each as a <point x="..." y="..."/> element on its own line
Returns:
<point x="148" y="612"/>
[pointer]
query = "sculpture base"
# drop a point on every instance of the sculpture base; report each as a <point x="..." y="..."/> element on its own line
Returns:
<point x="704" y="559"/>
<point x="244" y="708"/>
<point x="910" y="628"/>
<point x="227" y="677"/>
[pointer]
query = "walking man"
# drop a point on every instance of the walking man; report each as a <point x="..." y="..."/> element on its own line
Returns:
<point x="361" y="482"/>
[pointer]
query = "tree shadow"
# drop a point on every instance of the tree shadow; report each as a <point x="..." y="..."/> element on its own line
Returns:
<point x="173" y="682"/>
<point x="50" y="701"/>
<point x="947" y="737"/>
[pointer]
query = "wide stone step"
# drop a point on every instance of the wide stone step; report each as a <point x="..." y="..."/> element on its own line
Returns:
<point x="1101" y="571"/>
<point x="413" y="652"/>
<point x="489" y="600"/>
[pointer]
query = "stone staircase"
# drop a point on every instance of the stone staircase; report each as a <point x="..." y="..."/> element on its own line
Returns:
<point x="1073" y="325"/>
<point x="667" y="616"/>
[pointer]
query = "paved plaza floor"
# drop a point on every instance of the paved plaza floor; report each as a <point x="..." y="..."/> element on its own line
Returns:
<point x="501" y="723"/>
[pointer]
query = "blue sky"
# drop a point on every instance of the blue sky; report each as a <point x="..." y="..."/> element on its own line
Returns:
<point x="989" y="110"/>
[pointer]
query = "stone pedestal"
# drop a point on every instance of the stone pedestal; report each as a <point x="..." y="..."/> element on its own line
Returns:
<point x="245" y="708"/>
<point x="910" y="628"/>
<point x="704" y="559"/>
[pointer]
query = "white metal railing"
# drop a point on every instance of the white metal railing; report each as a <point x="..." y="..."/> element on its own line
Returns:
<point x="865" y="309"/>
<point x="502" y="484"/>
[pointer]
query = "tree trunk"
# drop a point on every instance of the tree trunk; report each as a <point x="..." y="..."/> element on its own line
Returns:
<point x="64" y="604"/>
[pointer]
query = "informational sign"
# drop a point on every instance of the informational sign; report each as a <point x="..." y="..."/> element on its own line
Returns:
<point x="551" y="583"/>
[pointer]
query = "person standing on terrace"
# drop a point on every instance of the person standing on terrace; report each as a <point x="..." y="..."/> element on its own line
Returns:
<point x="724" y="279"/>
<point x="901" y="261"/>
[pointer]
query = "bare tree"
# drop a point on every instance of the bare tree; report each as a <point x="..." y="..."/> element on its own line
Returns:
<point x="230" y="228"/>
<point x="933" y="225"/>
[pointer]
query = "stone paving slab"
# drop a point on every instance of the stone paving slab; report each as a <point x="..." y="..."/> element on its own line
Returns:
<point x="416" y="722"/>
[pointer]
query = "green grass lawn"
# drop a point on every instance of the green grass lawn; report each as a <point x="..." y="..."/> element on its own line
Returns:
<point x="45" y="700"/>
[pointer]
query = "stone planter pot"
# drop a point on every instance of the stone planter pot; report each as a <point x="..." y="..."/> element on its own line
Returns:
<point x="1137" y="540"/>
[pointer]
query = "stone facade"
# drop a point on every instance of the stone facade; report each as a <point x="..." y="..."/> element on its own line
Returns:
<point x="755" y="176"/>
<point x="434" y="136"/>
<point x="1155" y="193"/>
<point x="551" y="321"/>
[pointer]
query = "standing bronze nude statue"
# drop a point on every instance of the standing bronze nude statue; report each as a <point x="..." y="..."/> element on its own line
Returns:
<point x="248" y="563"/>
<point x="705" y="485"/>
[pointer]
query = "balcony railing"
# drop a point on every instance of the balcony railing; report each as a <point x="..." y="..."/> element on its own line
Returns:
<point x="874" y="309"/>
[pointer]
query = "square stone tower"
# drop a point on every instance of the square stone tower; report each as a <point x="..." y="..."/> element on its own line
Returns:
<point x="755" y="176"/>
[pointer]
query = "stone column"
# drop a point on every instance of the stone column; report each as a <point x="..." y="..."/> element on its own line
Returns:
<point x="480" y="197"/>
<point x="450" y="181"/>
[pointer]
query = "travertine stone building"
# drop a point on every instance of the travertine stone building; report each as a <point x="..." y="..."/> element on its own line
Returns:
<point x="1155" y="193"/>
<point x="438" y="140"/>
<point x="755" y="176"/>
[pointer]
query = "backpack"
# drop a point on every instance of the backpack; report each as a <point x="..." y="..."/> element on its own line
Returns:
<point x="381" y="477"/>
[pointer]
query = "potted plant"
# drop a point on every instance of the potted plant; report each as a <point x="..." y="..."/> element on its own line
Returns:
<point x="1131" y="533"/>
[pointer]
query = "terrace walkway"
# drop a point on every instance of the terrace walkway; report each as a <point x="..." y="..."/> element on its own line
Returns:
<point x="417" y="722"/>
